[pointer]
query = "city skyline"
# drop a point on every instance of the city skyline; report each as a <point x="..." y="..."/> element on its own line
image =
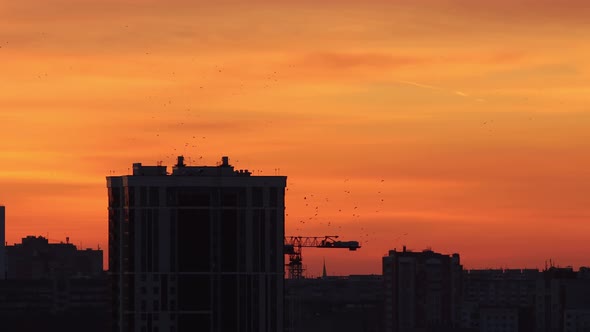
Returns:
<point x="458" y="126"/>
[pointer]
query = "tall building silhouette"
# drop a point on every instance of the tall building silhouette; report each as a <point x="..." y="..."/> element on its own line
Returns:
<point x="199" y="249"/>
<point x="422" y="291"/>
<point x="2" y="242"/>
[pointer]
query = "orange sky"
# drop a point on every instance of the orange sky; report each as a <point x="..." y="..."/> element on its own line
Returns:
<point x="464" y="125"/>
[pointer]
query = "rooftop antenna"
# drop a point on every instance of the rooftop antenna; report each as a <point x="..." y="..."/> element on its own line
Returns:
<point x="180" y="162"/>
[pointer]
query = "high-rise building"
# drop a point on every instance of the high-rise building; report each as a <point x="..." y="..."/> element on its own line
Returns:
<point x="2" y="243"/>
<point x="199" y="249"/>
<point x="422" y="290"/>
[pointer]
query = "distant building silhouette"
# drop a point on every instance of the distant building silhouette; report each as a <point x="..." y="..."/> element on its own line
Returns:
<point x="563" y="300"/>
<point x="422" y="291"/>
<point x="200" y="249"/>
<point x="36" y="258"/>
<point x="54" y="287"/>
<point x="427" y="291"/>
<point x="2" y="243"/>
<point x="343" y="304"/>
<point x="495" y="299"/>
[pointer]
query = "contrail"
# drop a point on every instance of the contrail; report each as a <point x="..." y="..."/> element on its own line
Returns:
<point x="432" y="87"/>
<point x="420" y="85"/>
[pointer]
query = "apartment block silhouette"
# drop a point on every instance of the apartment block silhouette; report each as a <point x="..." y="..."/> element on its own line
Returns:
<point x="197" y="249"/>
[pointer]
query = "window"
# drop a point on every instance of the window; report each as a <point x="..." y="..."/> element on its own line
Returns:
<point x="257" y="197"/>
<point x="154" y="196"/>
<point x="274" y="197"/>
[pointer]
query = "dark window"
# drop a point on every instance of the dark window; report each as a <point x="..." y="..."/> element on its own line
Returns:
<point x="194" y="197"/>
<point x="274" y="252"/>
<point x="156" y="225"/>
<point x="171" y="197"/>
<point x="229" y="199"/>
<point x="274" y="197"/>
<point x="143" y="196"/>
<point x="256" y="241"/>
<point x="154" y="196"/>
<point x="194" y="322"/>
<point x="273" y="303"/>
<point x="229" y="245"/>
<point x="193" y="240"/>
<point x="114" y="196"/>
<point x="243" y="300"/>
<point x="150" y="240"/>
<point x="164" y="294"/>
<point x="129" y="241"/>
<point x="194" y="293"/>
<point x="130" y="196"/>
<point x="257" y="197"/>
<point x="129" y="291"/>
<point x="173" y="242"/>
<point x="229" y="302"/>
<point x="143" y="243"/>
<point x="260" y="226"/>
<point x="242" y="226"/>
<point x="255" y="313"/>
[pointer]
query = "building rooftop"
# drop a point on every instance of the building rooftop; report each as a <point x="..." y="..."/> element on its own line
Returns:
<point x="181" y="169"/>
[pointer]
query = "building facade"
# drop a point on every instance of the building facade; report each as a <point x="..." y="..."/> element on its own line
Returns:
<point x="199" y="249"/>
<point x="499" y="299"/>
<point x="351" y="303"/>
<point x="54" y="287"/>
<point x="422" y="291"/>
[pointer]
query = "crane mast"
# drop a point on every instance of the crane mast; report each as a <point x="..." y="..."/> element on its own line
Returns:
<point x="293" y="245"/>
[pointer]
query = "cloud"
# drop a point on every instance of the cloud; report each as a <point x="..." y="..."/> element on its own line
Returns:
<point x="345" y="60"/>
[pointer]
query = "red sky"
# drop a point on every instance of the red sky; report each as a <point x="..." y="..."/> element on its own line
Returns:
<point x="463" y="125"/>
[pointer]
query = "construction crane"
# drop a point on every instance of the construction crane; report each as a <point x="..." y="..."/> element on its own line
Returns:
<point x="293" y="245"/>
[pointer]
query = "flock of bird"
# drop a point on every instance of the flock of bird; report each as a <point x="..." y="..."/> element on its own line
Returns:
<point x="344" y="213"/>
<point x="339" y="213"/>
